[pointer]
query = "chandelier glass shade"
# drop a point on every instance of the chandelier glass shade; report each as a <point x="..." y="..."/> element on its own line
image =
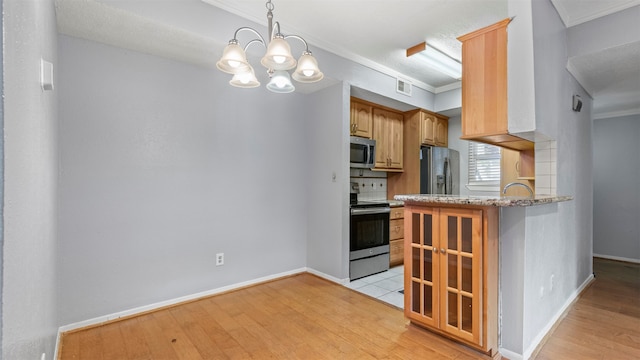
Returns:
<point x="245" y="80"/>
<point x="278" y="56"/>
<point x="234" y="60"/>
<point x="280" y="82"/>
<point x="307" y="71"/>
<point x="277" y="60"/>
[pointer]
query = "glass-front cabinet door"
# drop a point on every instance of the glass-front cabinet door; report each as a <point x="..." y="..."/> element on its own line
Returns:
<point x="443" y="278"/>
<point x="422" y="278"/>
<point x="461" y="272"/>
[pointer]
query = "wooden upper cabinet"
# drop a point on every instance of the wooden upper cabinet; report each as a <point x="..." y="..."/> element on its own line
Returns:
<point x="387" y="131"/>
<point x="484" y="88"/>
<point x="441" y="132"/>
<point x="416" y="124"/>
<point x="427" y="128"/>
<point x="361" y="119"/>
<point x="484" y="81"/>
<point x="517" y="167"/>
<point x="434" y="129"/>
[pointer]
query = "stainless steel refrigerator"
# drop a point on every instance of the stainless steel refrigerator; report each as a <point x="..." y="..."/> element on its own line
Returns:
<point x="439" y="171"/>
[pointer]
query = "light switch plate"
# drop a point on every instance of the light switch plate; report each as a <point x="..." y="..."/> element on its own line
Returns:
<point x="46" y="75"/>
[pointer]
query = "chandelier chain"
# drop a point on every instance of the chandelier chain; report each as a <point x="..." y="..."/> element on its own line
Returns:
<point x="270" y="5"/>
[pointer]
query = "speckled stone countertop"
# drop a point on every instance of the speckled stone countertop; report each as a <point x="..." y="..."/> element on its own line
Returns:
<point x="395" y="203"/>
<point x="503" y="201"/>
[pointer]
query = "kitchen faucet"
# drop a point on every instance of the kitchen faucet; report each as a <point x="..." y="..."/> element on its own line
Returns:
<point x="504" y="191"/>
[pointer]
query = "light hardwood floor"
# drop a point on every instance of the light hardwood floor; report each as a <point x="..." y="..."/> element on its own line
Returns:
<point x="299" y="317"/>
<point x="305" y="317"/>
<point x="605" y="321"/>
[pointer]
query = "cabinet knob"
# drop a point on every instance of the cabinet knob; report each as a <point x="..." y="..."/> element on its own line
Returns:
<point x="442" y="250"/>
<point x="435" y="250"/>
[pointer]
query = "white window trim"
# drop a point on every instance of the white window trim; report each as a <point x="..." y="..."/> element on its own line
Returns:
<point x="487" y="188"/>
<point x="483" y="186"/>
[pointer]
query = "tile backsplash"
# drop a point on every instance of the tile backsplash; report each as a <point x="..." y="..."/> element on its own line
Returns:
<point x="372" y="184"/>
<point x="546" y="163"/>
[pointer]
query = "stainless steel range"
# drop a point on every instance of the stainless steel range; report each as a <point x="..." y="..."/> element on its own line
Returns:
<point x="369" y="238"/>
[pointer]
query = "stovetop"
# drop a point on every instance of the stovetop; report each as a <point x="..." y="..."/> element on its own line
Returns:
<point x="369" y="204"/>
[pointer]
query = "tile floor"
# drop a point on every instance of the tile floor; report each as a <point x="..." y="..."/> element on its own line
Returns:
<point x="384" y="286"/>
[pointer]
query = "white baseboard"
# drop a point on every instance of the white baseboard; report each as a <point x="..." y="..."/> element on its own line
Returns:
<point x="328" y="277"/>
<point x="55" y="349"/>
<point x="158" y="305"/>
<point x="510" y="354"/>
<point x="618" y="258"/>
<point x="538" y="339"/>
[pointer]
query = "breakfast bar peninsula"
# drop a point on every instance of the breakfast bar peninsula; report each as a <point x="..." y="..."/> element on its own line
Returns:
<point x="452" y="263"/>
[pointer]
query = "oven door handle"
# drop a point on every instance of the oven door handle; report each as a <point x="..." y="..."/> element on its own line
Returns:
<point x="369" y="211"/>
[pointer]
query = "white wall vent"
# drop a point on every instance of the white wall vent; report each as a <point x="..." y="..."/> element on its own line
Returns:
<point x="403" y="86"/>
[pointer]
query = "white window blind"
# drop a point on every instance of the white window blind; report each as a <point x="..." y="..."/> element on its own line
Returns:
<point x="484" y="164"/>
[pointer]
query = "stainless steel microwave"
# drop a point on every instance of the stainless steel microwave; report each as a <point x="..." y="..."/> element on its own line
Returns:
<point x="363" y="153"/>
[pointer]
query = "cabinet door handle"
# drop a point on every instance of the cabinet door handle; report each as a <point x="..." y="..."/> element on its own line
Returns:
<point x="442" y="250"/>
<point x="435" y="250"/>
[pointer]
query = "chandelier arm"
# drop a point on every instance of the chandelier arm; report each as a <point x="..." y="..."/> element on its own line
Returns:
<point x="235" y="35"/>
<point x="273" y="32"/>
<point x="253" y="42"/>
<point x="306" y="46"/>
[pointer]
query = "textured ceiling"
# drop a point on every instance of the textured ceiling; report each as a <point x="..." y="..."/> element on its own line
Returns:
<point x="374" y="33"/>
<point x="612" y="75"/>
<point x="574" y="12"/>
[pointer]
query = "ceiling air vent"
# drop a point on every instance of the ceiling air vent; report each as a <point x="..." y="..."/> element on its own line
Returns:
<point x="403" y="86"/>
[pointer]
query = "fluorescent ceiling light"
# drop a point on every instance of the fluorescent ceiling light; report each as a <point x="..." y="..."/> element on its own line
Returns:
<point x="437" y="60"/>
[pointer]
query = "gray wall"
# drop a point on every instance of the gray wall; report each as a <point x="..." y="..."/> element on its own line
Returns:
<point x="1" y="175"/>
<point x="163" y="165"/>
<point x="616" y="210"/>
<point x="327" y="200"/>
<point x="555" y="240"/>
<point x="30" y="168"/>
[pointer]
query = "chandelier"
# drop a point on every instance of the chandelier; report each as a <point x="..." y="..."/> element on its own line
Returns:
<point x="278" y="60"/>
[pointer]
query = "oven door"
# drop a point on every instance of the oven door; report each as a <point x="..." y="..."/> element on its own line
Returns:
<point x="369" y="229"/>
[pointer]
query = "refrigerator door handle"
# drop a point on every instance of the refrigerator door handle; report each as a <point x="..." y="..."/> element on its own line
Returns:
<point x="448" y="181"/>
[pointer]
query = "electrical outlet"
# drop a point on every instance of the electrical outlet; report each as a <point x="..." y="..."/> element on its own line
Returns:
<point x="219" y="259"/>
<point x="43" y="356"/>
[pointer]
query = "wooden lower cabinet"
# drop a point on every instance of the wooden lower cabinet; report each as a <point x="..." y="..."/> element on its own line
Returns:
<point x="396" y="236"/>
<point x="451" y="272"/>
